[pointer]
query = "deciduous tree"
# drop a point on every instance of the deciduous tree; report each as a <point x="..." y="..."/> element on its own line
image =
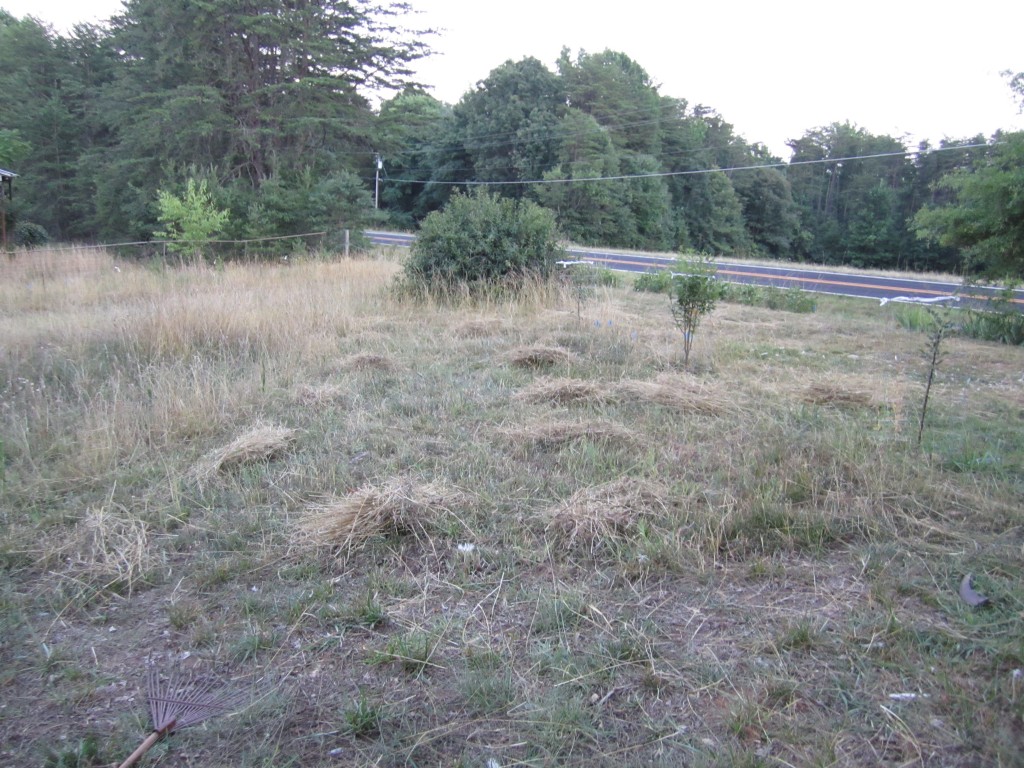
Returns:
<point x="986" y="216"/>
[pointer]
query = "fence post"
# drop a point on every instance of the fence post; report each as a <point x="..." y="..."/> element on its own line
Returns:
<point x="346" y="243"/>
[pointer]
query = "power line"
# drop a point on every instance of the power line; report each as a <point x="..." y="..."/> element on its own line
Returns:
<point x="664" y="174"/>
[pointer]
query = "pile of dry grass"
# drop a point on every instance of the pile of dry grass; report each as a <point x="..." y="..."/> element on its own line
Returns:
<point x="552" y="434"/>
<point x="855" y="392"/>
<point x="479" y="328"/>
<point x="606" y="513"/>
<point x="318" y="396"/>
<point x="561" y="391"/>
<point x="401" y="505"/>
<point x="677" y="392"/>
<point x="538" y="357"/>
<point x="109" y="547"/>
<point x="835" y="395"/>
<point x="261" y="443"/>
<point x="367" y="361"/>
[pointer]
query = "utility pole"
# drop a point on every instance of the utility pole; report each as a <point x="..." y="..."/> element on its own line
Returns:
<point x="376" y="180"/>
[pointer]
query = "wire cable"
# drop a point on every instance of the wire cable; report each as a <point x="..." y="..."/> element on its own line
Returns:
<point x="701" y="171"/>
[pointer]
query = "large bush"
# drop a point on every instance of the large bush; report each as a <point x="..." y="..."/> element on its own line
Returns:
<point x="482" y="238"/>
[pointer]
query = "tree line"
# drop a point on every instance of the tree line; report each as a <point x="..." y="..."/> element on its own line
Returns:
<point x="273" y="106"/>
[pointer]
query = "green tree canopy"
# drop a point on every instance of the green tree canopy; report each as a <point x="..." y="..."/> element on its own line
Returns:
<point x="986" y="215"/>
<point x="507" y="124"/>
<point x="259" y="91"/>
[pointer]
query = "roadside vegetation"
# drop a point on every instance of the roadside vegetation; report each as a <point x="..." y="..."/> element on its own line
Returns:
<point x="123" y="132"/>
<point x="510" y="528"/>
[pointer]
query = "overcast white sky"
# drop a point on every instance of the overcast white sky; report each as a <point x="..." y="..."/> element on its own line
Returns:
<point x="772" y="68"/>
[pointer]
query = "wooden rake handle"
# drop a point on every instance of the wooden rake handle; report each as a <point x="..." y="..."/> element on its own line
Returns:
<point x="143" y="748"/>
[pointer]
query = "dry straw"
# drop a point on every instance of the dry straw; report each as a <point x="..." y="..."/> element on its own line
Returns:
<point x="479" y="328"/>
<point x="367" y="361"/>
<point x="605" y="513"/>
<point x="852" y="394"/>
<point x="561" y="391"/>
<point x="319" y="396"/>
<point x="538" y="357"/>
<point x="109" y="546"/>
<point x="674" y="392"/>
<point x="260" y="443"/>
<point x="400" y="505"/>
<point x="552" y="434"/>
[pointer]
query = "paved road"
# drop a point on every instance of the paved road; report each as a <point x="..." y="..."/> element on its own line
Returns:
<point x="787" y="276"/>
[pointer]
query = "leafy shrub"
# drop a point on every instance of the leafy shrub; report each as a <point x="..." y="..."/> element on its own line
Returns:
<point x="607" y="278"/>
<point x="27" y="234"/>
<point x="189" y="221"/>
<point x="654" y="282"/>
<point x="481" y="238"/>
<point x="788" y="299"/>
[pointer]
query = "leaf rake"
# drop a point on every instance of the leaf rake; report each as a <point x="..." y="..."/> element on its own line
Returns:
<point x="175" y="704"/>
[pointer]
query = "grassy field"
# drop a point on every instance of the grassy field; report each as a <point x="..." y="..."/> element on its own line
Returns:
<point x="496" y="534"/>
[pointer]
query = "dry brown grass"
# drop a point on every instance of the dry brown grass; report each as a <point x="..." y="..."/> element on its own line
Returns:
<point x="611" y="512"/>
<point x="367" y="361"/>
<point x="538" y="357"/>
<point x="261" y="442"/>
<point x="108" y="548"/>
<point x="476" y="328"/>
<point x="836" y="395"/>
<point x="681" y="393"/>
<point x="320" y="395"/>
<point x="400" y="505"/>
<point x="552" y="434"/>
<point x="854" y="393"/>
<point x="723" y="559"/>
<point x="561" y="391"/>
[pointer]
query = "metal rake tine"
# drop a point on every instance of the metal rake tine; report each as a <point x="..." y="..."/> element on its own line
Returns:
<point x="176" y="706"/>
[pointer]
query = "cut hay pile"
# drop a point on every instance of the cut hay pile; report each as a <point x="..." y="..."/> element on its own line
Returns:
<point x="261" y="443"/>
<point x="109" y="547"/>
<point x="678" y="392"/>
<point x="835" y="395"/>
<point x="851" y="393"/>
<point x="538" y="357"/>
<point x="320" y="395"/>
<point x="479" y="328"/>
<point x="606" y="513"/>
<point x="366" y="361"/>
<point x="552" y="434"/>
<point x="561" y="391"/>
<point x="401" y="505"/>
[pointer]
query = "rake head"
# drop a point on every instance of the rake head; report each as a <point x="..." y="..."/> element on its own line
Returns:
<point x="176" y="704"/>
